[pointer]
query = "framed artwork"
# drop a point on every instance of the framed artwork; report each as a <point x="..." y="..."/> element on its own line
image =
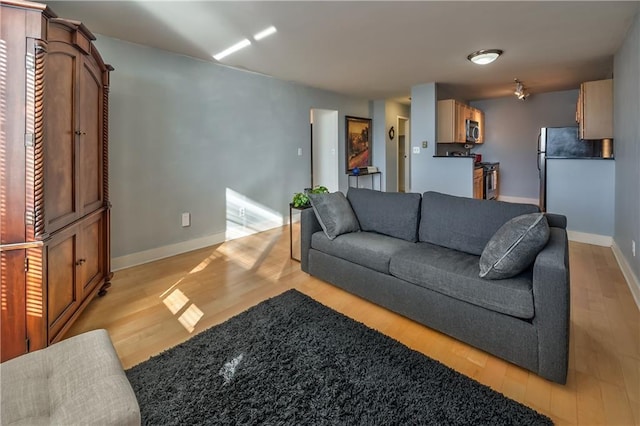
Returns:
<point x="358" y="142"/>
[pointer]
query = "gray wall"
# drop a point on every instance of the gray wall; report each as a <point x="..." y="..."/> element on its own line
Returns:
<point x="511" y="134"/>
<point x="626" y="104"/>
<point x="184" y="130"/>
<point x="583" y="191"/>
<point x="379" y="149"/>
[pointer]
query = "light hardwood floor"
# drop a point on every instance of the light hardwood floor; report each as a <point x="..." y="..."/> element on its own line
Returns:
<point x="155" y="306"/>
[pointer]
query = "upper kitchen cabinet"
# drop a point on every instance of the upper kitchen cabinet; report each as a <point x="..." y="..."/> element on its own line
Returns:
<point x="595" y="109"/>
<point x="452" y="122"/>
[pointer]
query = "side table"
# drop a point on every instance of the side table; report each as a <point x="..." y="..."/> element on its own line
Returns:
<point x="358" y="176"/>
<point x="291" y="209"/>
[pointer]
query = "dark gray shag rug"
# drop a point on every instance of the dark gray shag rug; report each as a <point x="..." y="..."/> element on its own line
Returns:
<point x="292" y="361"/>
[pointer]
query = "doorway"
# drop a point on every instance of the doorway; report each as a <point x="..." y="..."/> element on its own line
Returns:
<point x="324" y="149"/>
<point x="404" y="159"/>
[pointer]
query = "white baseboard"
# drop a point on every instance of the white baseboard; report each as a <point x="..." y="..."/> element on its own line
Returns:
<point x="158" y="253"/>
<point x="595" y="239"/>
<point x="629" y="276"/>
<point x="522" y="200"/>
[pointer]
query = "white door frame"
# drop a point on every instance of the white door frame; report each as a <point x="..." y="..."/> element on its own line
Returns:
<point x="324" y="149"/>
<point x="407" y="160"/>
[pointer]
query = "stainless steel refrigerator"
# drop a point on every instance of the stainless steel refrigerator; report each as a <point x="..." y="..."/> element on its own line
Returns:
<point x="560" y="142"/>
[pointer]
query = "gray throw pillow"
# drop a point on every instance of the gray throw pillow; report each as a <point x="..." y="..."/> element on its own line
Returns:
<point x="514" y="246"/>
<point x="334" y="214"/>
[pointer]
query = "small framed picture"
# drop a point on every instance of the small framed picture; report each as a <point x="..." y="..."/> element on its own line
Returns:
<point x="358" y="142"/>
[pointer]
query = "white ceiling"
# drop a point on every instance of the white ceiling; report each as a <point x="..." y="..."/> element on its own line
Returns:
<point x="380" y="49"/>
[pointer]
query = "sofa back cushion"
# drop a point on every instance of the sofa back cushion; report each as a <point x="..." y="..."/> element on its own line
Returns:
<point x="334" y="213"/>
<point x="389" y="213"/>
<point x="465" y="224"/>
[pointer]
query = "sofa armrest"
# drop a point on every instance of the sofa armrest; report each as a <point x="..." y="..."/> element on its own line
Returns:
<point x="552" y="306"/>
<point x="556" y="220"/>
<point x="308" y="226"/>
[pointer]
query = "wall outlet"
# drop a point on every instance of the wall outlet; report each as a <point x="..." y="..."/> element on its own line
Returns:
<point x="425" y="144"/>
<point x="241" y="212"/>
<point x="186" y="219"/>
<point x="633" y="248"/>
<point x="416" y="150"/>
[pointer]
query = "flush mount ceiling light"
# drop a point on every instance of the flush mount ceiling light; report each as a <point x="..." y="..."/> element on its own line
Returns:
<point x="520" y="92"/>
<point x="484" y="57"/>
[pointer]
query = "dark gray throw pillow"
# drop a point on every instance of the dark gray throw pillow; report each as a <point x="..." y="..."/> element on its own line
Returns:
<point x="334" y="214"/>
<point x="514" y="246"/>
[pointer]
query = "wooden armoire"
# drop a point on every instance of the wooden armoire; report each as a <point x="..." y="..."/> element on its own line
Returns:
<point x="54" y="187"/>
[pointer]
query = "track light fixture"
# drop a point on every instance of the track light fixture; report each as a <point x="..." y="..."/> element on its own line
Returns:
<point x="521" y="91"/>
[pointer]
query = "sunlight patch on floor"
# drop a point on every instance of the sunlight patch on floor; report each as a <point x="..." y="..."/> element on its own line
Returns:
<point x="202" y="265"/>
<point x="190" y="317"/>
<point x="175" y="301"/>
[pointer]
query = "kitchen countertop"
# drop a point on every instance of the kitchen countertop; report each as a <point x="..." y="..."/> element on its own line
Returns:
<point x="579" y="158"/>
<point x="454" y="156"/>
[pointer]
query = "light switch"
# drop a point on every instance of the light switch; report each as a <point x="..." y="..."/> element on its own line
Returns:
<point x="416" y="150"/>
<point x="299" y="152"/>
<point x="186" y="219"/>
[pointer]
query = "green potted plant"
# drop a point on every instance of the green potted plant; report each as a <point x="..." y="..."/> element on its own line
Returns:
<point x="300" y="199"/>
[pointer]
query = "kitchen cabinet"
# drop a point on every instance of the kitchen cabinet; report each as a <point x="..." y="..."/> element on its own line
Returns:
<point x="594" y="112"/>
<point x="478" y="183"/>
<point x="452" y="116"/>
<point x="54" y="239"/>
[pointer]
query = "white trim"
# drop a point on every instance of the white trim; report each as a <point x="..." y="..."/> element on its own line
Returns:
<point x="158" y="253"/>
<point x="595" y="239"/>
<point x="629" y="276"/>
<point x="407" y="147"/>
<point x="522" y="200"/>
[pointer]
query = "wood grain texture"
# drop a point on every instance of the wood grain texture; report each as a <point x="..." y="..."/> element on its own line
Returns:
<point x="50" y="181"/>
<point x="153" y="307"/>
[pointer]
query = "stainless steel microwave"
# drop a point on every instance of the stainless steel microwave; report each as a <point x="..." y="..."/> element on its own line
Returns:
<point x="473" y="131"/>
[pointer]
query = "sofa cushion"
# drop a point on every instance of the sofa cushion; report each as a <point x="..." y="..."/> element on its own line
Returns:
<point x="334" y="214"/>
<point x="465" y="224"/>
<point x="390" y="213"/>
<point x="514" y="246"/>
<point x="367" y="249"/>
<point x="455" y="274"/>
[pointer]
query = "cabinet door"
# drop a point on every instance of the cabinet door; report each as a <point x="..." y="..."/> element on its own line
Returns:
<point x="446" y="132"/>
<point x="478" y="184"/>
<point x="13" y="325"/>
<point x="62" y="289"/>
<point x="461" y="116"/>
<point x="90" y="136"/>
<point x="479" y="117"/>
<point x="61" y="207"/>
<point x="597" y="110"/>
<point x="91" y="256"/>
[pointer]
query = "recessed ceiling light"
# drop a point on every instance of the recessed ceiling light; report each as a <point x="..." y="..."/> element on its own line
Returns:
<point x="265" y="33"/>
<point x="242" y="44"/>
<point x="484" y="57"/>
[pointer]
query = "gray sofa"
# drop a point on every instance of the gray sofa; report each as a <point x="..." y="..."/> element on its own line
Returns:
<point x="419" y="256"/>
